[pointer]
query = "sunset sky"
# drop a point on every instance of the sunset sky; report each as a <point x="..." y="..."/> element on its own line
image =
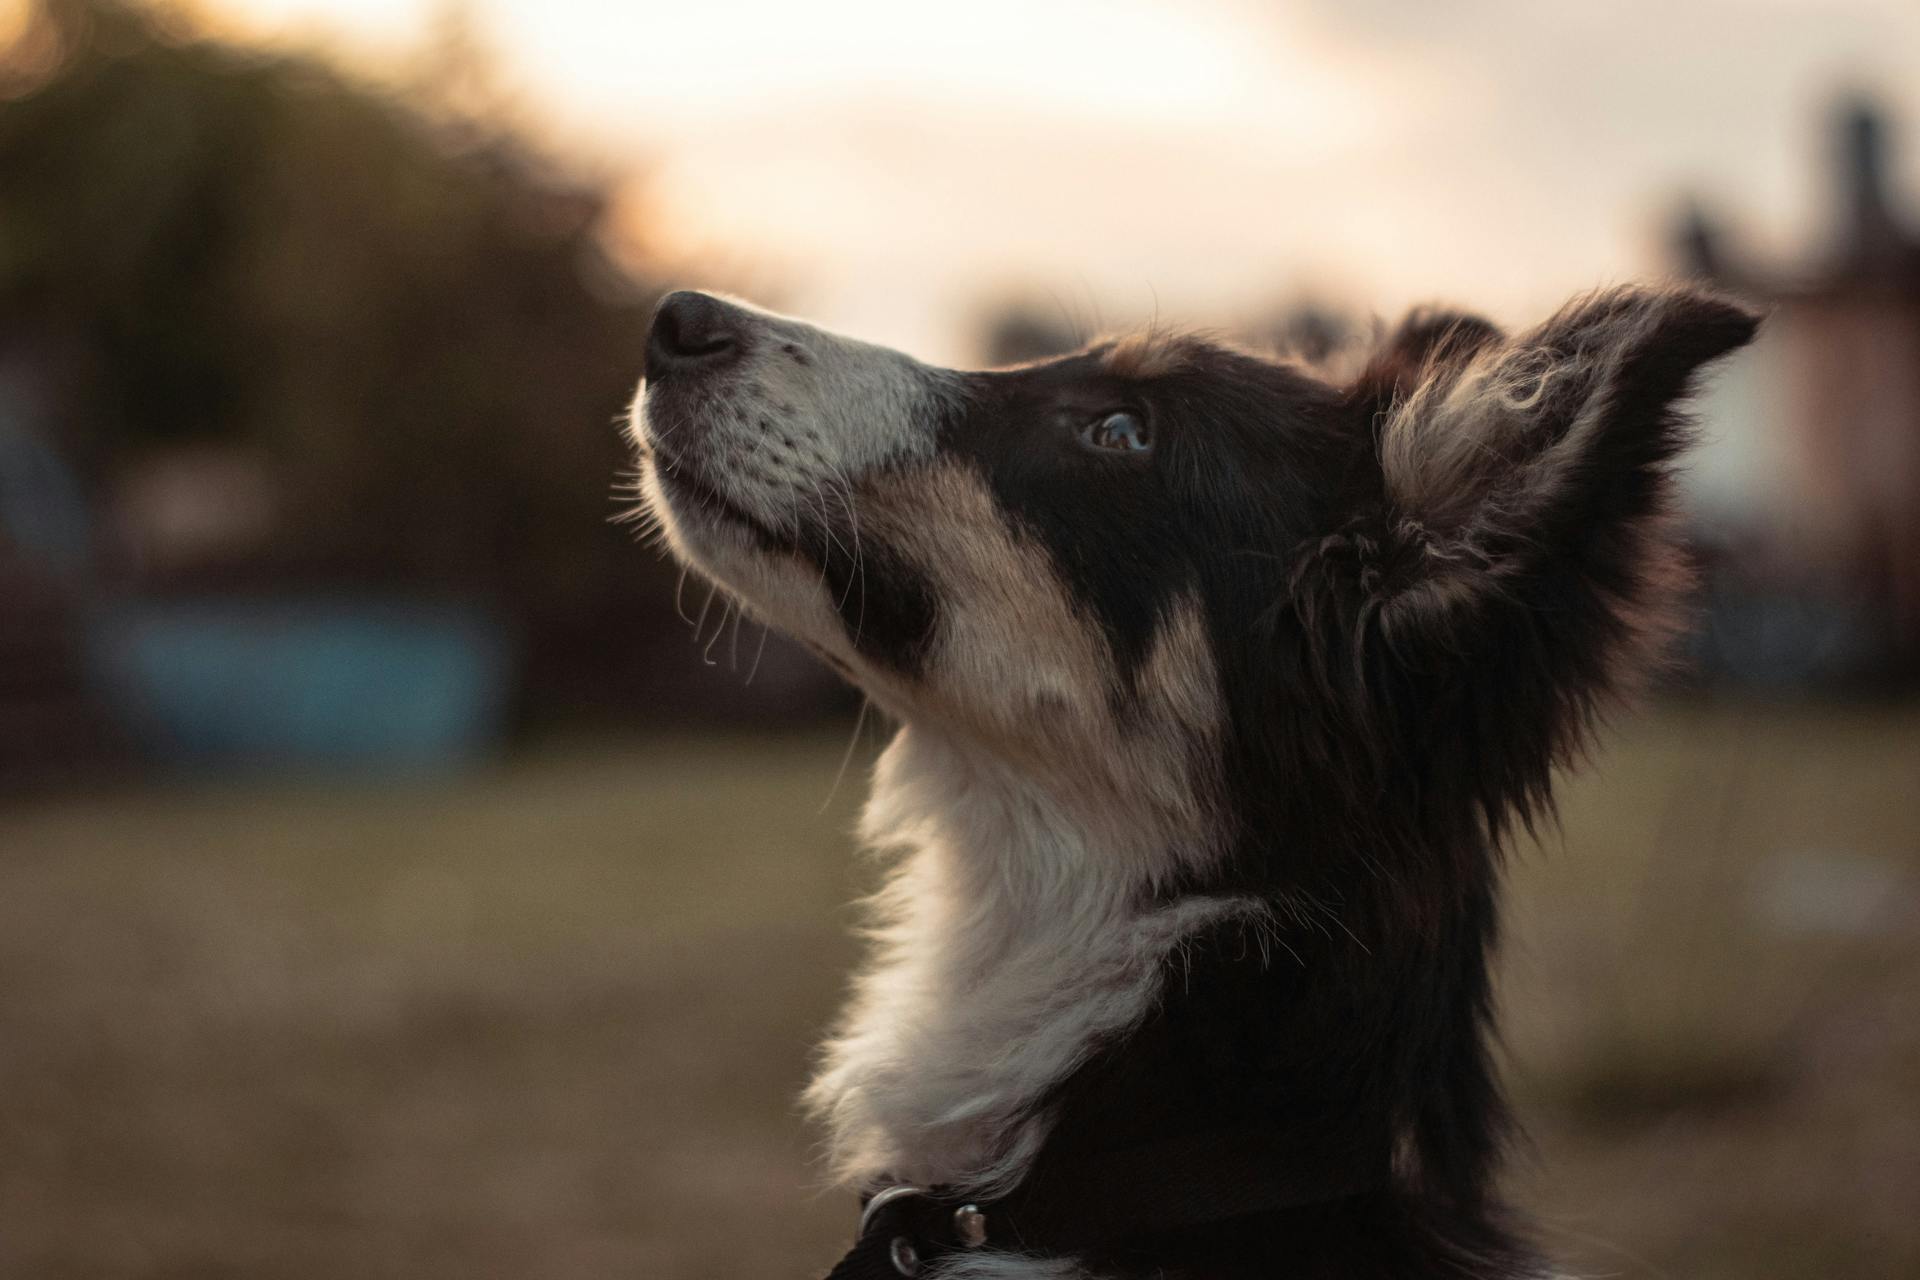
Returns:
<point x="891" y="167"/>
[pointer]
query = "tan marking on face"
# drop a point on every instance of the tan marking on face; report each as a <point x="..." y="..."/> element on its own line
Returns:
<point x="1181" y="676"/>
<point x="1011" y="643"/>
<point x="1020" y="670"/>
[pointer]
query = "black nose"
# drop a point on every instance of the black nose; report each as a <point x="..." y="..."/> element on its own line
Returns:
<point x="691" y="330"/>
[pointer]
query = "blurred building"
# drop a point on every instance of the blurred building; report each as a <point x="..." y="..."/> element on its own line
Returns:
<point x="1812" y="501"/>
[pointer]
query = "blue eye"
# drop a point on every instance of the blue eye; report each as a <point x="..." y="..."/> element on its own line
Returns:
<point x="1118" y="432"/>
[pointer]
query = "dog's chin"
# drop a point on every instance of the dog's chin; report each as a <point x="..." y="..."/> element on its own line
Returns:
<point x="703" y="530"/>
<point x="745" y="556"/>
<point x="696" y="499"/>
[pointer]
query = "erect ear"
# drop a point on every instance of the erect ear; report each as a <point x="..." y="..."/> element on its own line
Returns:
<point x="1500" y="456"/>
<point x="1429" y="338"/>
<point x="1527" y="483"/>
<point x="1491" y="432"/>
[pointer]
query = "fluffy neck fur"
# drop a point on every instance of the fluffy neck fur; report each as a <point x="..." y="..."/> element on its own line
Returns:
<point x="1011" y="940"/>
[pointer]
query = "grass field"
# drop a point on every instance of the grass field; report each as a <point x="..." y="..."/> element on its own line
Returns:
<point x="547" y="1020"/>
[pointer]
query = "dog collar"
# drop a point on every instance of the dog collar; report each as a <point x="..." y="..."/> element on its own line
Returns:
<point x="1191" y="1121"/>
<point x="1124" y="1195"/>
<point x="903" y="1228"/>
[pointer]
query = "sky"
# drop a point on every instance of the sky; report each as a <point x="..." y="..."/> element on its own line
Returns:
<point x="892" y="168"/>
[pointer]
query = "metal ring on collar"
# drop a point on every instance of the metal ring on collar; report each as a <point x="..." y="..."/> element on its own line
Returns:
<point x="881" y="1199"/>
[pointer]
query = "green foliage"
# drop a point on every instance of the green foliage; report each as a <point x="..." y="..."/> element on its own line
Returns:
<point x="409" y="315"/>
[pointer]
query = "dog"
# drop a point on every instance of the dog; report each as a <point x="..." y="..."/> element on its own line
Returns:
<point x="1220" y="683"/>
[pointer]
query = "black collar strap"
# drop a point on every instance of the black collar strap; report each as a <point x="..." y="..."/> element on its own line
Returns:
<point x="1188" y="1181"/>
<point x="1206" y="1112"/>
<point x="904" y="1228"/>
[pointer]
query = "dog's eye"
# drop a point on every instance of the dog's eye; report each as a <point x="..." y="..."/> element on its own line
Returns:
<point x="1119" y="432"/>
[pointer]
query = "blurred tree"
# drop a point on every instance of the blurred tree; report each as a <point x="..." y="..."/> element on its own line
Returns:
<point x="403" y="308"/>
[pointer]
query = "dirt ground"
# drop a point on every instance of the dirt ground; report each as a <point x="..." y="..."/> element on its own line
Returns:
<point x="547" y="1019"/>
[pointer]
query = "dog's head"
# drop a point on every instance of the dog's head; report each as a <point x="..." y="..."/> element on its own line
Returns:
<point x="1164" y="568"/>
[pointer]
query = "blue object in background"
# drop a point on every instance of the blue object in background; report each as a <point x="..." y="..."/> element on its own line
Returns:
<point x="283" y="682"/>
<point x="42" y="512"/>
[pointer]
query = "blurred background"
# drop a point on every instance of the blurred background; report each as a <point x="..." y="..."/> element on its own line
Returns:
<point x="403" y="873"/>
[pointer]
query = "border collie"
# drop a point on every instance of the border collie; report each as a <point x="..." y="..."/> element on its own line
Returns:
<point x="1220" y="684"/>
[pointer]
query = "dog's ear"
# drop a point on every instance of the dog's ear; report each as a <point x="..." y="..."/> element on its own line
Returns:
<point x="1428" y="339"/>
<point x="1526" y="484"/>
<point x="1489" y="437"/>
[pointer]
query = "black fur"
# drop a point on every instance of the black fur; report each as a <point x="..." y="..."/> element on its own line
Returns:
<point x="1379" y="748"/>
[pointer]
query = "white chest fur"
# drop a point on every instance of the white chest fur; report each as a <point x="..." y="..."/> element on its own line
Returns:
<point x="1007" y="945"/>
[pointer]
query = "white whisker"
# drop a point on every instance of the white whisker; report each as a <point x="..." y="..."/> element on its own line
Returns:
<point x="759" y="653"/>
<point x="859" y="723"/>
<point x="706" y="654"/>
<point x="699" y="622"/>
